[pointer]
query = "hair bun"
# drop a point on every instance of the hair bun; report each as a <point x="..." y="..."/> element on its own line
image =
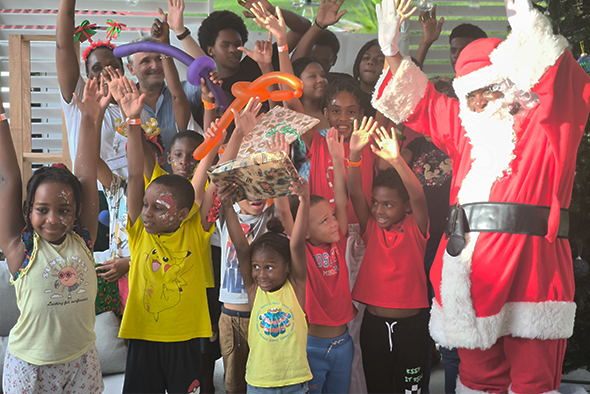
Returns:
<point x="274" y="225"/>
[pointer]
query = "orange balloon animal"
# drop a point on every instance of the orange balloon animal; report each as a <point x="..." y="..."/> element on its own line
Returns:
<point x="243" y="91"/>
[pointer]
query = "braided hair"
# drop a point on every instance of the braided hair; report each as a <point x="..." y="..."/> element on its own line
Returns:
<point x="274" y="239"/>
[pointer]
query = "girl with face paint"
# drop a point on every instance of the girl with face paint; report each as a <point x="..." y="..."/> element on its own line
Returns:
<point x="49" y="255"/>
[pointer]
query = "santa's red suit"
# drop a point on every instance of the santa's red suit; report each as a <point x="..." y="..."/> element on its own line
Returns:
<point x="503" y="293"/>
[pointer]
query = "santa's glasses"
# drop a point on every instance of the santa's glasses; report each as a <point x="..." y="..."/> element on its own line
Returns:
<point x="488" y="93"/>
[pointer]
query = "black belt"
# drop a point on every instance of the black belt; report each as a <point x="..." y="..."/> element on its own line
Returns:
<point x="499" y="217"/>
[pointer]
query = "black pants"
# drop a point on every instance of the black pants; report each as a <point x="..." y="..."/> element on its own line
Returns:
<point x="154" y="367"/>
<point x="395" y="352"/>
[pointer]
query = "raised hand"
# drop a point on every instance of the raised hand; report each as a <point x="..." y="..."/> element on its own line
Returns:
<point x="431" y="28"/>
<point x="248" y="118"/>
<point x="103" y="90"/>
<point x="160" y="28"/>
<point x="386" y="146"/>
<point x="112" y="77"/>
<point x="335" y="144"/>
<point x="300" y="188"/>
<point x="247" y="4"/>
<point x="226" y="195"/>
<point x="329" y="12"/>
<point x="131" y="101"/>
<point x="390" y="16"/>
<point x="175" y="16"/>
<point x="361" y="136"/>
<point x="262" y="53"/>
<point x="91" y="105"/>
<point x="275" y="24"/>
<point x="278" y="143"/>
<point x="206" y="94"/>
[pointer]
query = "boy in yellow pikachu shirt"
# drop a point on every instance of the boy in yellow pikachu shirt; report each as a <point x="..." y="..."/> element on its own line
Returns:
<point x="166" y="311"/>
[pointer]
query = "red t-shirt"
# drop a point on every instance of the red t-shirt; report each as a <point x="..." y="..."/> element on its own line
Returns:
<point x="392" y="272"/>
<point x="321" y="172"/>
<point x="327" y="291"/>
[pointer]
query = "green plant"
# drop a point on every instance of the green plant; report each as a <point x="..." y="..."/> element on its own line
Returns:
<point x="367" y="16"/>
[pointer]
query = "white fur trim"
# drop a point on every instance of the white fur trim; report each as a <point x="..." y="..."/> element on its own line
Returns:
<point x="522" y="58"/>
<point x="483" y="77"/>
<point x="461" y="389"/>
<point x="403" y="92"/>
<point x="548" y="392"/>
<point x="526" y="55"/>
<point x="540" y="320"/>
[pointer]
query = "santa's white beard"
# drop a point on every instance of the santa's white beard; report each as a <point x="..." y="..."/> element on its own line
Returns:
<point x="493" y="140"/>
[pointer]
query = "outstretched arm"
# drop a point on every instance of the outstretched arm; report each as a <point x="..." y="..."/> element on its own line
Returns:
<point x="431" y="29"/>
<point x="297" y="244"/>
<point x="132" y="103"/>
<point x="360" y="138"/>
<point x="176" y="21"/>
<point x="180" y="105"/>
<point x="68" y="68"/>
<point x="328" y="14"/>
<point x="336" y="149"/>
<point x="226" y="194"/>
<point x="388" y="149"/>
<point x="11" y="197"/>
<point x="87" y="155"/>
<point x="390" y="16"/>
<point x="278" y="143"/>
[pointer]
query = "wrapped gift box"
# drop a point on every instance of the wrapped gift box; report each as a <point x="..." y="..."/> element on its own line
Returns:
<point x="259" y="177"/>
<point x="278" y="119"/>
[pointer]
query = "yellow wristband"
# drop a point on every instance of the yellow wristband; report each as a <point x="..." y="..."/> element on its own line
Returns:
<point x="3" y="116"/>
<point x="353" y="164"/>
<point x="133" y="121"/>
<point x="208" y="105"/>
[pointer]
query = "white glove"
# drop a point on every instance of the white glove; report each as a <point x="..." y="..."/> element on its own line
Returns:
<point x="389" y="21"/>
<point x="520" y="14"/>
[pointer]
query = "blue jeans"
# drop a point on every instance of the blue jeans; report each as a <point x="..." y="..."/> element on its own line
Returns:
<point x="451" y="360"/>
<point x="330" y="361"/>
<point x="299" y="388"/>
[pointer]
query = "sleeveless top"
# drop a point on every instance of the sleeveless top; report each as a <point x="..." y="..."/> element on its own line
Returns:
<point x="55" y="290"/>
<point x="277" y="336"/>
<point x="327" y="291"/>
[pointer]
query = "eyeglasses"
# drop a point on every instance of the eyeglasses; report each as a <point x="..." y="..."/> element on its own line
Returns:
<point x="490" y="93"/>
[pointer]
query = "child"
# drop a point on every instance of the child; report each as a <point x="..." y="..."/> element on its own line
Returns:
<point x="253" y="218"/>
<point x="328" y="303"/>
<point x="49" y="255"/>
<point x="166" y="311"/>
<point x="366" y="70"/>
<point x="274" y="276"/>
<point x="391" y="281"/>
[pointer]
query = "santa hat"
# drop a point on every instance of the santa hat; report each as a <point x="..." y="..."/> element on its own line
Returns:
<point x="474" y="67"/>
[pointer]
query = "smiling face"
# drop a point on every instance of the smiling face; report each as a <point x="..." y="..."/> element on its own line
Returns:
<point x="387" y="207"/>
<point x="314" y="81"/>
<point x="148" y="69"/>
<point x="371" y="65"/>
<point x="53" y="211"/>
<point x="269" y="269"/>
<point x="181" y="157"/>
<point x="323" y="225"/>
<point x="225" y="51"/>
<point x="160" y="213"/>
<point x="342" y="110"/>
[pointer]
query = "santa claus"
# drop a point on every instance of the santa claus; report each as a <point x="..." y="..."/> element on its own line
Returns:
<point x="503" y="275"/>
